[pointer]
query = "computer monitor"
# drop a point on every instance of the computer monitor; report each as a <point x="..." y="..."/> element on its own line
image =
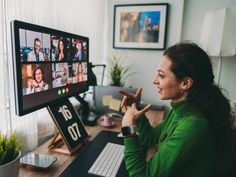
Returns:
<point x="107" y="100"/>
<point x="48" y="65"/>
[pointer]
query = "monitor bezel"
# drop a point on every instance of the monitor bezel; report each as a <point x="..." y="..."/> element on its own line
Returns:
<point x="15" y="27"/>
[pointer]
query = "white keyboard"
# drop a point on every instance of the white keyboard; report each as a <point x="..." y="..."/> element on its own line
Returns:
<point x="109" y="160"/>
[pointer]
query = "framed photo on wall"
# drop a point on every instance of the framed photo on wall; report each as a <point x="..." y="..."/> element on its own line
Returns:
<point x="140" y="26"/>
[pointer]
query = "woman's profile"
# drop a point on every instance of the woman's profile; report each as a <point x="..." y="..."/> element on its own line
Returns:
<point x="196" y="139"/>
<point x="37" y="83"/>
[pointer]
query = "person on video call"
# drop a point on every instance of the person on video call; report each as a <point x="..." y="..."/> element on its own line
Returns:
<point x="60" y="56"/>
<point x="64" y="76"/>
<point x="80" y="73"/>
<point x="37" y="84"/>
<point x="36" y="54"/>
<point x="196" y="138"/>
<point x="79" y="51"/>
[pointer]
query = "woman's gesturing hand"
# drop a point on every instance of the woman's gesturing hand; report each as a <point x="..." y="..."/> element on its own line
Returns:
<point x="129" y="98"/>
<point x="132" y="114"/>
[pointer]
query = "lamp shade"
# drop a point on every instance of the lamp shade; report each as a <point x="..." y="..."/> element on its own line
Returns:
<point x="218" y="36"/>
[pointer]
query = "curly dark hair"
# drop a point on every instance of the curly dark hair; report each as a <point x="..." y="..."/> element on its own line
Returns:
<point x="205" y="98"/>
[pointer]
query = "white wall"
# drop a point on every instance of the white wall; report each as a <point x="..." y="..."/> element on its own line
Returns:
<point x="194" y="12"/>
<point x="145" y="61"/>
<point x="184" y="24"/>
<point x="3" y="72"/>
<point x="87" y="18"/>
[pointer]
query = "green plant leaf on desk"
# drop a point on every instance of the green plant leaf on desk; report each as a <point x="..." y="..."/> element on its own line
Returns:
<point x="118" y="71"/>
<point x="9" y="146"/>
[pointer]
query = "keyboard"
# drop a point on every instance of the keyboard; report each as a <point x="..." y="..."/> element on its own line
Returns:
<point x="109" y="160"/>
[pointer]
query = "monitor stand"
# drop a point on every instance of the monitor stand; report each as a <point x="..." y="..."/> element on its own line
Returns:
<point x="87" y="116"/>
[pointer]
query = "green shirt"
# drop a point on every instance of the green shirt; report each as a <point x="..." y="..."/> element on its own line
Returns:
<point x="185" y="146"/>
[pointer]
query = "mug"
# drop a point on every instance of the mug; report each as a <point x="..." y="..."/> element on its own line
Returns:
<point x="106" y="121"/>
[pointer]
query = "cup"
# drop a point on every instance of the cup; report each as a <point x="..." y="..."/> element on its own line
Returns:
<point x="106" y="121"/>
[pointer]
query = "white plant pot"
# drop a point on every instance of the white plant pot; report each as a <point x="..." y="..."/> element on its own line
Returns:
<point x="11" y="169"/>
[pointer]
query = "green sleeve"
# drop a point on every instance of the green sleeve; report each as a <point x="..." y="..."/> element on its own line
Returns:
<point x="147" y="133"/>
<point x="171" y="154"/>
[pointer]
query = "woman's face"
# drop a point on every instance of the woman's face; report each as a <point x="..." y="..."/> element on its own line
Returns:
<point x="38" y="75"/>
<point x="61" y="45"/>
<point x="37" y="46"/>
<point x="80" y="69"/>
<point x="167" y="83"/>
<point x="79" y="46"/>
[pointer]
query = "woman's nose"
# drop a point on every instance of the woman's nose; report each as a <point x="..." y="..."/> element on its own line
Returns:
<point x="155" y="81"/>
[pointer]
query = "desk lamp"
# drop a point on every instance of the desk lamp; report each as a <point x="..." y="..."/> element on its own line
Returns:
<point x="218" y="36"/>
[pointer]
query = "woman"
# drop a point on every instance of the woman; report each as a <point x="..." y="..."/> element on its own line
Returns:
<point x="60" y="51"/>
<point x="37" y="84"/>
<point x="196" y="137"/>
<point x="64" y="76"/>
<point x="80" y="73"/>
<point x="79" y="51"/>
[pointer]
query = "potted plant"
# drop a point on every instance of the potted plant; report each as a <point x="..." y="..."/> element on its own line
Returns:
<point x="9" y="155"/>
<point x="118" y="71"/>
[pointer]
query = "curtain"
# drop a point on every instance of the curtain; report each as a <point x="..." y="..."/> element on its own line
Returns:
<point x="32" y="127"/>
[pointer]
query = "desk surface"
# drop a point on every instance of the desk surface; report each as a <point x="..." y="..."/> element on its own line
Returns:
<point x="64" y="160"/>
<point x="88" y="155"/>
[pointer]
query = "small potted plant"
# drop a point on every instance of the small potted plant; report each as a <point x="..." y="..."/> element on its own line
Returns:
<point x="9" y="155"/>
<point x="118" y="71"/>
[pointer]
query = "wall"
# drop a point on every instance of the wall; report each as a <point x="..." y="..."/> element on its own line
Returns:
<point x="185" y="22"/>
<point x="145" y="62"/>
<point x="3" y="72"/>
<point x="194" y="12"/>
<point x="85" y="18"/>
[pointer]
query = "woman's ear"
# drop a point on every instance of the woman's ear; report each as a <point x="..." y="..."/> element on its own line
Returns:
<point x="187" y="83"/>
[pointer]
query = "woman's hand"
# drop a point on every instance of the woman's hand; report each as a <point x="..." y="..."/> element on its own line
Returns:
<point x="132" y="114"/>
<point x="34" y="83"/>
<point x="129" y="98"/>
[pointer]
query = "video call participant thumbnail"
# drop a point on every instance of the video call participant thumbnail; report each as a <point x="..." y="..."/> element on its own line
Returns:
<point x="61" y="74"/>
<point x="79" y="73"/>
<point x="36" y="54"/>
<point x="37" y="83"/>
<point x="60" y="48"/>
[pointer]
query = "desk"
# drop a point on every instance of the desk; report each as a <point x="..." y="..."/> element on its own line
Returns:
<point x="64" y="160"/>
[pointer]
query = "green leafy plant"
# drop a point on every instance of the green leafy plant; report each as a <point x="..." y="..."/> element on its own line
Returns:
<point x="9" y="148"/>
<point x="118" y="71"/>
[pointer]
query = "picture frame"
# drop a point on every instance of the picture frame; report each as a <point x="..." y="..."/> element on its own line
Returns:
<point x="140" y="26"/>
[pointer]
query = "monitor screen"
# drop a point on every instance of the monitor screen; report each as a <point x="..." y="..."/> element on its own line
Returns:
<point x="49" y="65"/>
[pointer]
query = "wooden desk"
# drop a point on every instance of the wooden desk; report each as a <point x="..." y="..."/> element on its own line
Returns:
<point x="64" y="160"/>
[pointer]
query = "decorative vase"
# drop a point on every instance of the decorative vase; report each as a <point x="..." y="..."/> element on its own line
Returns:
<point x="11" y="169"/>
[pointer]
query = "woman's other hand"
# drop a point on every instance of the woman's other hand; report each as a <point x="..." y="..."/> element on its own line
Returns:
<point x="129" y="98"/>
<point x="132" y="114"/>
<point x="34" y="83"/>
